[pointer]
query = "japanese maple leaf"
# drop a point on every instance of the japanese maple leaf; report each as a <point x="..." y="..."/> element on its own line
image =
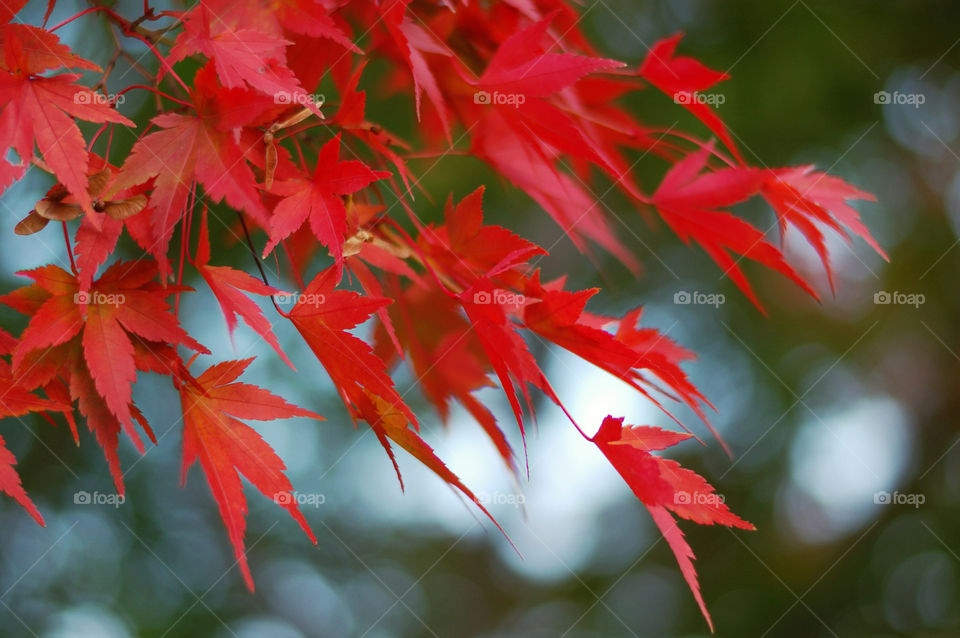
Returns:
<point x="34" y="50"/>
<point x="689" y="200"/>
<point x="664" y="486"/>
<point x="564" y="198"/>
<point x="520" y="77"/>
<point x="226" y="447"/>
<point x="312" y="18"/>
<point x="125" y="303"/>
<point x="323" y="317"/>
<point x="228" y="286"/>
<point x="195" y="148"/>
<point x="392" y="425"/>
<point x="469" y="250"/>
<point x="805" y="199"/>
<point x="16" y="401"/>
<point x="505" y="348"/>
<point x="444" y="354"/>
<point x="242" y="56"/>
<point x="414" y="42"/>
<point x="10" y="483"/>
<point x="319" y="199"/>
<point x="645" y="359"/>
<point x="682" y="78"/>
<point x="39" y="111"/>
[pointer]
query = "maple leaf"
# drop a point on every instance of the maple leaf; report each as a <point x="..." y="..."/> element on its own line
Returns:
<point x="242" y="56"/>
<point x="682" y="78"/>
<point x="519" y="79"/>
<point x="10" y="483"/>
<point x="311" y="18"/>
<point x="573" y="208"/>
<point x="323" y="317"/>
<point x="664" y="486"/>
<point x="191" y="148"/>
<point x="318" y="200"/>
<point x="414" y="42"/>
<point x="804" y="198"/>
<point x="39" y="111"/>
<point x="642" y="358"/>
<point x="228" y="286"/>
<point x="226" y="447"/>
<point x="445" y="355"/>
<point x="30" y="49"/>
<point x="89" y="335"/>
<point x="689" y="199"/>
<point x="16" y="401"/>
<point x="467" y="249"/>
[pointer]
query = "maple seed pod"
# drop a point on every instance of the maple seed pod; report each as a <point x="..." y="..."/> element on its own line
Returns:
<point x="58" y="211"/>
<point x="124" y="208"/>
<point x="32" y="223"/>
<point x="270" y="163"/>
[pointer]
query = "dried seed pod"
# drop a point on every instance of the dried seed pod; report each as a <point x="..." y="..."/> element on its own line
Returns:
<point x="32" y="223"/>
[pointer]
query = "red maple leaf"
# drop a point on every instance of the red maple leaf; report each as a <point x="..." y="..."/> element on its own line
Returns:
<point x="805" y="198"/>
<point x="318" y="200"/>
<point x="662" y="485"/>
<point x="96" y="340"/>
<point x="228" y="286"/>
<point x="38" y="111"/>
<point x="689" y="200"/>
<point x="682" y="78"/>
<point x="195" y="148"/>
<point x="226" y="447"/>
<point x="323" y="316"/>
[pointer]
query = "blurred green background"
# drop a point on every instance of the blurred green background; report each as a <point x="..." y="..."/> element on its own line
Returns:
<point x="828" y="407"/>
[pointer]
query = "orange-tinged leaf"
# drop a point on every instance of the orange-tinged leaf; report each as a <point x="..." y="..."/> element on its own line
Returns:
<point x="323" y="317"/>
<point x="227" y="448"/>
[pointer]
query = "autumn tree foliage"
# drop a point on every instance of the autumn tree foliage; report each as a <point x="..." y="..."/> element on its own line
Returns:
<point x="234" y="133"/>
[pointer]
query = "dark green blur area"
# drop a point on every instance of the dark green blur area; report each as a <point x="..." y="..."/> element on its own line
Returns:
<point x="827" y="406"/>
